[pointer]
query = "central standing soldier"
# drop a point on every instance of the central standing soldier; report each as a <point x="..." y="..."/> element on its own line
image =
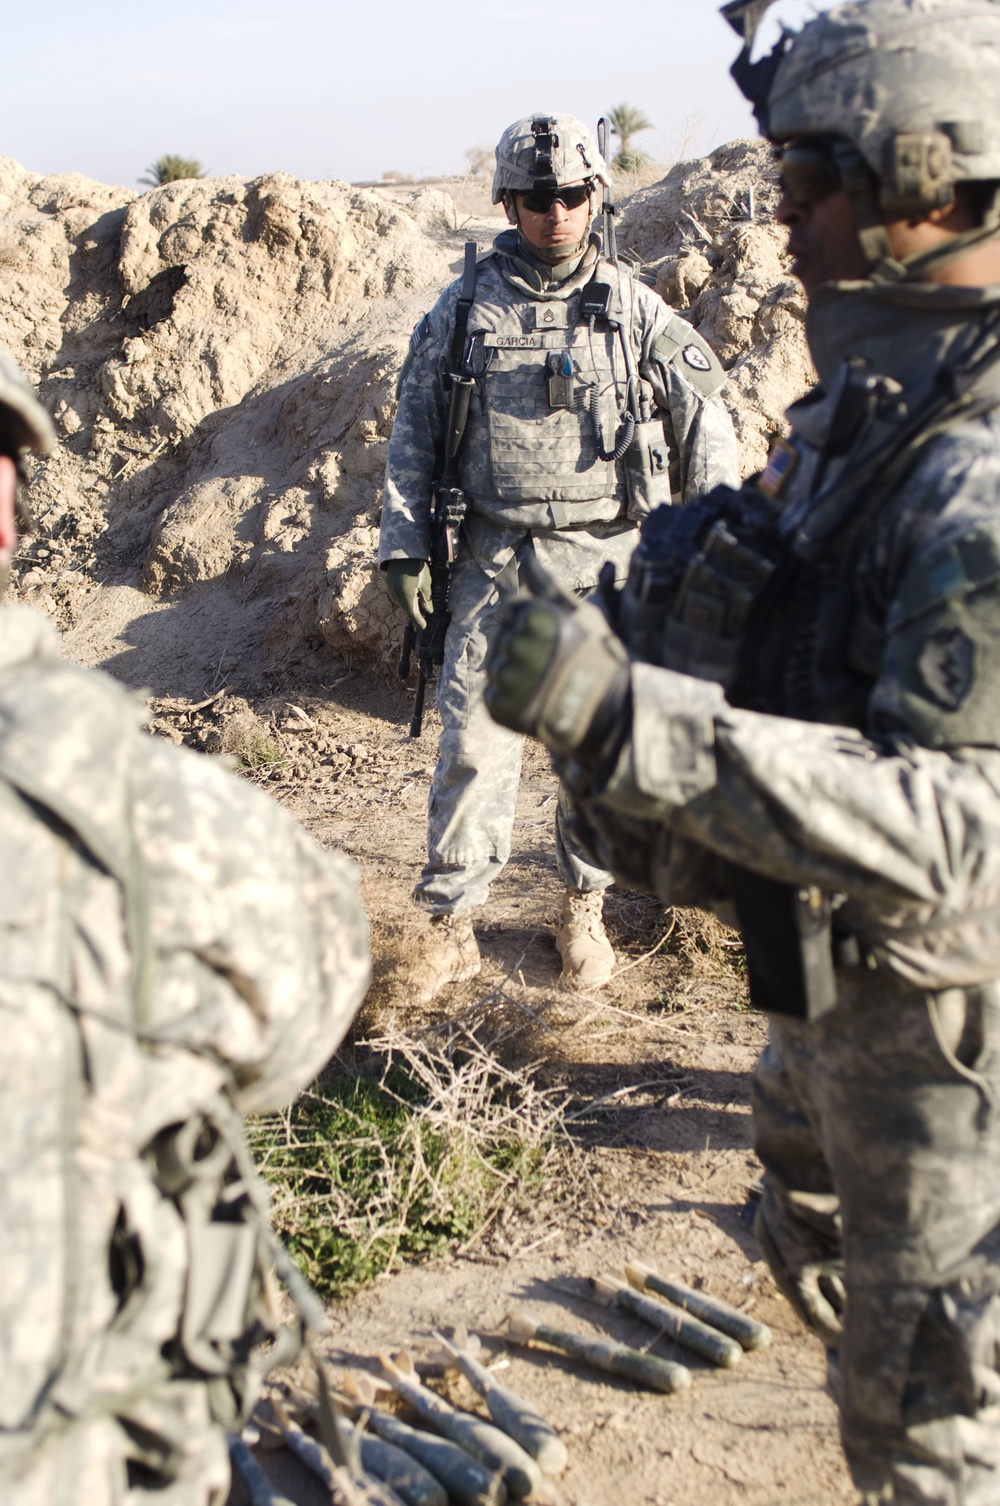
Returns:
<point x="592" y="403"/>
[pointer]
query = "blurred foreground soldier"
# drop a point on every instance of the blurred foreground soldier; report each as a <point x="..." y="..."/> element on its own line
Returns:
<point x="830" y="759"/>
<point x="591" y="402"/>
<point x="174" y="952"/>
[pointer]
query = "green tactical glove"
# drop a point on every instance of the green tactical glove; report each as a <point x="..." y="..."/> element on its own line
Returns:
<point x="557" y="672"/>
<point x="408" y="582"/>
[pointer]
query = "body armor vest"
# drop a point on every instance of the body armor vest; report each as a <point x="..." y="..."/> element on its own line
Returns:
<point x="812" y="649"/>
<point x="778" y="607"/>
<point x="550" y="390"/>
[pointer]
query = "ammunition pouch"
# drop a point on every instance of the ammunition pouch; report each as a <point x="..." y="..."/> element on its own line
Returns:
<point x="693" y="583"/>
<point x="647" y="468"/>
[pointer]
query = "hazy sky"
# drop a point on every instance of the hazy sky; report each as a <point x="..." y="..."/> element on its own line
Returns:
<point x="350" y="91"/>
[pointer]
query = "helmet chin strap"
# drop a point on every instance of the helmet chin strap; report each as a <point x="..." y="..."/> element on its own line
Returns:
<point x="885" y="267"/>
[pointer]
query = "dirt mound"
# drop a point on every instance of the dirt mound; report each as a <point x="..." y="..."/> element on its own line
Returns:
<point x="220" y="358"/>
<point x="708" y="242"/>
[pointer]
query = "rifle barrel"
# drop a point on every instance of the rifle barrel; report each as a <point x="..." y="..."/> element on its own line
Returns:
<point x="417" y="719"/>
<point x="405" y="653"/>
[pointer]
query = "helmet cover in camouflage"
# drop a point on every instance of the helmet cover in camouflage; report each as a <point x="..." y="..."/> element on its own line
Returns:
<point x="914" y="85"/>
<point x="546" y="151"/>
<point x="24" y="423"/>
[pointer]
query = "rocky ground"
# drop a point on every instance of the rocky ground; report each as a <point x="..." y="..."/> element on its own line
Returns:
<point x="220" y="359"/>
<point x="660" y="1169"/>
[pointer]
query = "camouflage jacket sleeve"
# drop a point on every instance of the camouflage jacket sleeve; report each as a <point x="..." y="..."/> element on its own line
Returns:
<point x="687" y="378"/>
<point x="416" y="433"/>
<point x="904" y="822"/>
<point x="258" y="940"/>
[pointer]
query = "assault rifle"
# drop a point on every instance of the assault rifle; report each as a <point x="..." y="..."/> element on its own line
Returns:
<point x="448" y="508"/>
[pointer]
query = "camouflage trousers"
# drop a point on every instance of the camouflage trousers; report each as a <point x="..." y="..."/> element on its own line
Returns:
<point x="879" y="1129"/>
<point x="470" y="814"/>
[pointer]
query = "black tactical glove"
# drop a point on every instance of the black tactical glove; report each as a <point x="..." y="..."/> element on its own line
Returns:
<point x="408" y="582"/>
<point x="557" y="671"/>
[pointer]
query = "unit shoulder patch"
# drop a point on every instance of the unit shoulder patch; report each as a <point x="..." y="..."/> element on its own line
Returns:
<point x="694" y="356"/>
<point x="681" y="346"/>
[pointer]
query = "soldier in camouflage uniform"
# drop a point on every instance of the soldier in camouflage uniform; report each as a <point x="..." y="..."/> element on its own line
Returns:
<point x="549" y="472"/>
<point x="175" y="952"/>
<point x="830" y="761"/>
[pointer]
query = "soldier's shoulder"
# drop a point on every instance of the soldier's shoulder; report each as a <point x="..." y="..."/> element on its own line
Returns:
<point x="487" y="271"/>
<point x="953" y="487"/>
<point x="190" y="807"/>
<point x="432" y="330"/>
<point x="194" y="801"/>
<point x="57" y="719"/>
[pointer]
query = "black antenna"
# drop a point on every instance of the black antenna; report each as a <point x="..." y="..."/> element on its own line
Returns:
<point x="610" y="243"/>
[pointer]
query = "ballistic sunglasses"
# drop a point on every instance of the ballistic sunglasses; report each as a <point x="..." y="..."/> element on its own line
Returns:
<point x="541" y="200"/>
<point x="809" y="171"/>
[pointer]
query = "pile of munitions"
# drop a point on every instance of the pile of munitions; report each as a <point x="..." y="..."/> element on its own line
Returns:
<point x="467" y="1460"/>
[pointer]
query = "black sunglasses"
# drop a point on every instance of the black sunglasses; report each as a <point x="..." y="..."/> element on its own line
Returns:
<point x="541" y="200"/>
<point x="809" y="171"/>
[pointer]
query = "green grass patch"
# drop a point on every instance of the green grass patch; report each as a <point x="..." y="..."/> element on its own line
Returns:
<point x="247" y="740"/>
<point x="398" y="1154"/>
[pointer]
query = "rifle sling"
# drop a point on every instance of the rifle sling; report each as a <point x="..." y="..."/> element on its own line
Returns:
<point x="466" y="298"/>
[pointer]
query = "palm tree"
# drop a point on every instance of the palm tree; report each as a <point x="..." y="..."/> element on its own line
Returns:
<point x="626" y="121"/>
<point x="171" y="168"/>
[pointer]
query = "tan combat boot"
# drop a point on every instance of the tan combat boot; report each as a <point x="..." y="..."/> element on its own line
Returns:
<point x="588" y="958"/>
<point x="449" y="954"/>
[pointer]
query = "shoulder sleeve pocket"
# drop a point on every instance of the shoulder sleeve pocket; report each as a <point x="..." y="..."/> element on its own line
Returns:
<point x="941" y="672"/>
<point x="682" y="347"/>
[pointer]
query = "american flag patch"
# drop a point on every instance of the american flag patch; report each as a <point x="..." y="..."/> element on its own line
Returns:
<point x="780" y="464"/>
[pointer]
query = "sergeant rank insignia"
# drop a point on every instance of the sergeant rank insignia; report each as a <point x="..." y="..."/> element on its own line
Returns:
<point x="781" y="462"/>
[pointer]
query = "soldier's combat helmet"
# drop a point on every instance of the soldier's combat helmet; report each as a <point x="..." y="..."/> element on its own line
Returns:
<point x="904" y="95"/>
<point x="546" y="152"/>
<point x="24" y="423"/>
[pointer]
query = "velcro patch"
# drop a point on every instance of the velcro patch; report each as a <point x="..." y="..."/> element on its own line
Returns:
<point x="551" y="315"/>
<point x="683" y="347"/>
<point x="781" y="462"/>
<point x="540" y="340"/>
<point x="421" y="333"/>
